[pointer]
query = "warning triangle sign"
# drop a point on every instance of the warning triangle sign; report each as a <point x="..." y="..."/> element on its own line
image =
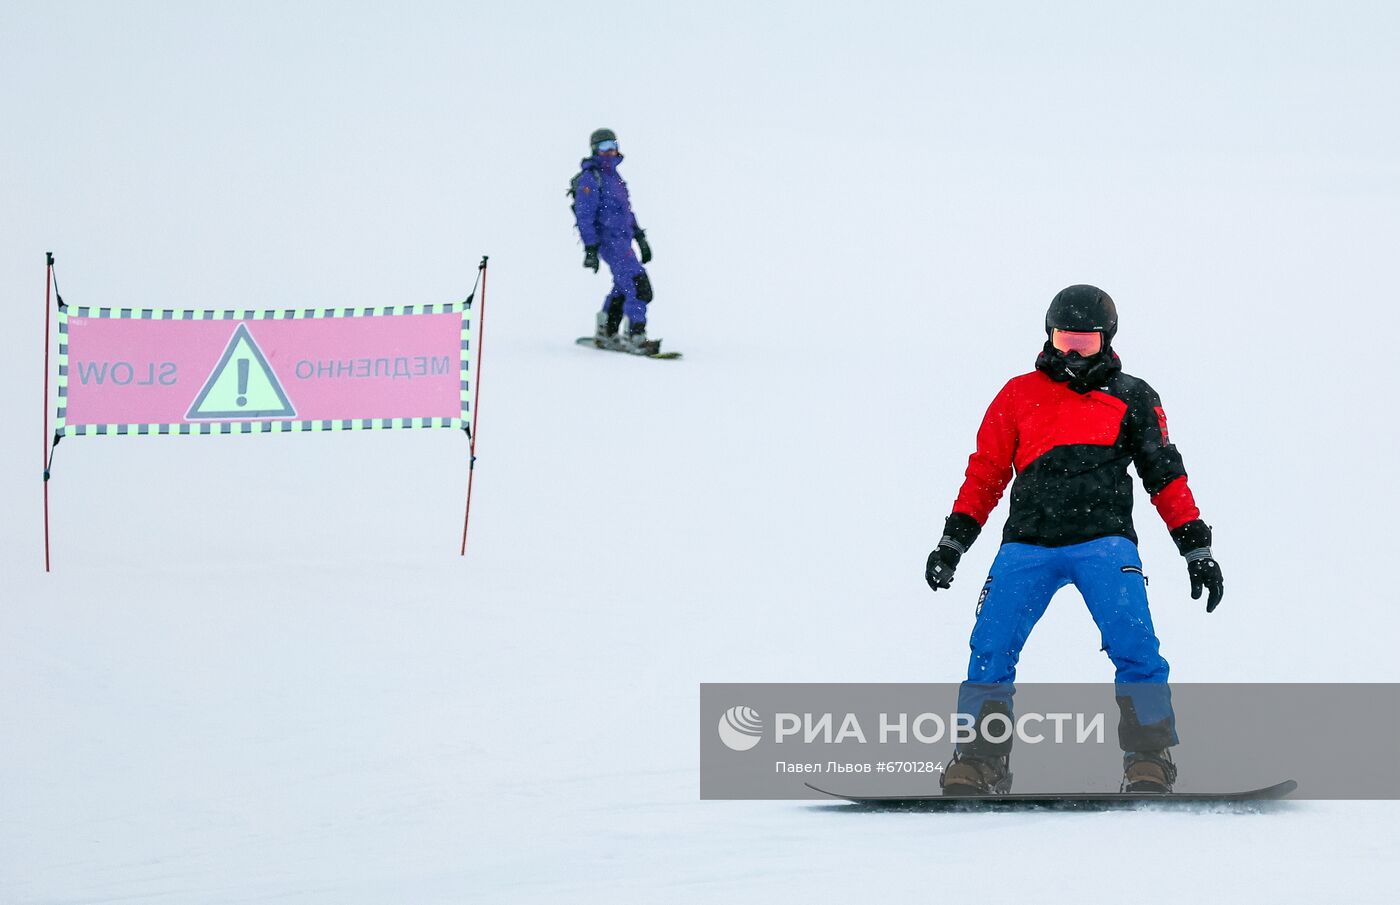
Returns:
<point x="242" y="385"/>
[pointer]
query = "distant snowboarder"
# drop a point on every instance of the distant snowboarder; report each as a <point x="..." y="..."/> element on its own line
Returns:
<point x="1068" y="429"/>
<point x="607" y="226"/>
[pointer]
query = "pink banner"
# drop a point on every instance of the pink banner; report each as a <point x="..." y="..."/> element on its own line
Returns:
<point x="180" y="368"/>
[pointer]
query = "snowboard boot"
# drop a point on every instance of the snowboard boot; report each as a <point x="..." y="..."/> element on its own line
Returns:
<point x="605" y="336"/>
<point x="1148" y="771"/>
<point x="636" y="341"/>
<point x="970" y="774"/>
<point x="609" y="320"/>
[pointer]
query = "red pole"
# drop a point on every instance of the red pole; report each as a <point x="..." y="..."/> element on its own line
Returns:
<point x="476" y="403"/>
<point x="481" y="333"/>
<point x="48" y="309"/>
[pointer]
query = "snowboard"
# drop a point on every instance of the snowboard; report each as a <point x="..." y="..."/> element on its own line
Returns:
<point x="663" y="356"/>
<point x="1068" y="799"/>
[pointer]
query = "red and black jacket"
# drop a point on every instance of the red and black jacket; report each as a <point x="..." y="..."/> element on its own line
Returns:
<point x="1070" y="453"/>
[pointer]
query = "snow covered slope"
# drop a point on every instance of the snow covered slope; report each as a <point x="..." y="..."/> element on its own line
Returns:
<point x="259" y="671"/>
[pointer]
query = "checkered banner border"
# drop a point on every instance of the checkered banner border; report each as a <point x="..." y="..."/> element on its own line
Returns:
<point x="204" y="428"/>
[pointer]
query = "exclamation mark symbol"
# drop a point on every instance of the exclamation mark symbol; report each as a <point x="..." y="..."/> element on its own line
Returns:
<point x="242" y="381"/>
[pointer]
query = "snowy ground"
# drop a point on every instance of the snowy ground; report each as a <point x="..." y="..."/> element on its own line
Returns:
<point x="259" y="672"/>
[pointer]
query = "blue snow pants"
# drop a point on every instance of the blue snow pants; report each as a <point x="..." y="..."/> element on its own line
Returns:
<point x="617" y="253"/>
<point x="1108" y="573"/>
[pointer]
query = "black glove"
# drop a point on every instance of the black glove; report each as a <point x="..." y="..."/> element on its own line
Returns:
<point x="942" y="562"/>
<point x="590" y="257"/>
<point x="1193" y="540"/>
<point x="641" y="237"/>
<point x="1205" y="575"/>
<point x="959" y="531"/>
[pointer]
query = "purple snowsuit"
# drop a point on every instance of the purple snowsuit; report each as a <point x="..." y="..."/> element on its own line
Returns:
<point x="603" y="213"/>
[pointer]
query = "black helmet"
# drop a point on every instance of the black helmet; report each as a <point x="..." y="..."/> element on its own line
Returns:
<point x="1083" y="309"/>
<point x="600" y="135"/>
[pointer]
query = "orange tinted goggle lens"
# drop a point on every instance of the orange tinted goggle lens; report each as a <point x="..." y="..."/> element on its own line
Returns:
<point x="1085" y="344"/>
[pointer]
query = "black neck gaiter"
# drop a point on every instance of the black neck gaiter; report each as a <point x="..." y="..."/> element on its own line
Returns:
<point x="1082" y="374"/>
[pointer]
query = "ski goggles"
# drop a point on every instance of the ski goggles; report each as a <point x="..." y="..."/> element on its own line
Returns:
<point x="602" y="146"/>
<point x="1085" y="344"/>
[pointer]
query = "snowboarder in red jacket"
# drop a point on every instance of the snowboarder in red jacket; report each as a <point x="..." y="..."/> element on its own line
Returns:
<point x="1068" y="430"/>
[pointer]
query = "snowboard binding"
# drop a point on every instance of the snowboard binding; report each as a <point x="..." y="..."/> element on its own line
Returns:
<point x="969" y="774"/>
